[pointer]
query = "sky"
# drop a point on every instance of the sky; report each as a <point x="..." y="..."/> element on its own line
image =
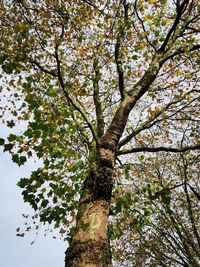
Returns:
<point x="18" y="251"/>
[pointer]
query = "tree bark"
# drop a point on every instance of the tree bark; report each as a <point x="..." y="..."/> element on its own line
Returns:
<point x="90" y="243"/>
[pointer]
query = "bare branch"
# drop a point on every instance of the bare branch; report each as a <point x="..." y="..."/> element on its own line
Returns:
<point x="157" y="149"/>
<point x="97" y="100"/>
<point x="150" y="122"/>
<point x="118" y="60"/>
<point x="43" y="69"/>
<point x="119" y="68"/>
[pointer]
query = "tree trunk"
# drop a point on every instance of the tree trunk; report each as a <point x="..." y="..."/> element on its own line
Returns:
<point x="90" y="243"/>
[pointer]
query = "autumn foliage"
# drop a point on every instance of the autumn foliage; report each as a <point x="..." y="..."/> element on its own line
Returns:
<point x="107" y="96"/>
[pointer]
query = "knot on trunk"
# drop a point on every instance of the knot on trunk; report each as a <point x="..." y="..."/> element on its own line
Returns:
<point x="107" y="145"/>
<point x="104" y="183"/>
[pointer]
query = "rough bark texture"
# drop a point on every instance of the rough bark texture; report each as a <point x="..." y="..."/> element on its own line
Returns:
<point x="90" y="245"/>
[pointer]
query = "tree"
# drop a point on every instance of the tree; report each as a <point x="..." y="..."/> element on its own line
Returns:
<point x="95" y="82"/>
<point x="163" y="224"/>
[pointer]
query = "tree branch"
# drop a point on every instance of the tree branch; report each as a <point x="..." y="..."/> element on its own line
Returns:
<point x="157" y="149"/>
<point x="97" y="100"/>
<point x="180" y="11"/>
<point x="143" y="27"/>
<point x="119" y="68"/>
<point x="72" y="101"/>
<point x="149" y="123"/>
<point x="43" y="69"/>
<point x="119" y="121"/>
<point x="118" y="61"/>
<point x="180" y="51"/>
<point x="60" y="78"/>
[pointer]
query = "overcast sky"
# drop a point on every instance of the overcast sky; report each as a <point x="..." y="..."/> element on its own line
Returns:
<point x="18" y="251"/>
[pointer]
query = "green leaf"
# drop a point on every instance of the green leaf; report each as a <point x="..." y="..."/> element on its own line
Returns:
<point x="2" y="141"/>
<point x="44" y="203"/>
<point x="134" y="57"/>
<point x="23" y="182"/>
<point x="22" y="160"/>
<point x="10" y="124"/>
<point x="19" y="160"/>
<point x="54" y="91"/>
<point x="118" y="205"/>
<point x="128" y="199"/>
<point x="166" y="199"/>
<point x="8" y="147"/>
<point x="12" y="137"/>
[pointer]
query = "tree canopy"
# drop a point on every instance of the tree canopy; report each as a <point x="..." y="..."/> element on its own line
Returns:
<point x="108" y="96"/>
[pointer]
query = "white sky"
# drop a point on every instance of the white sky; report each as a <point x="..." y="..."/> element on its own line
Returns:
<point x="18" y="251"/>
